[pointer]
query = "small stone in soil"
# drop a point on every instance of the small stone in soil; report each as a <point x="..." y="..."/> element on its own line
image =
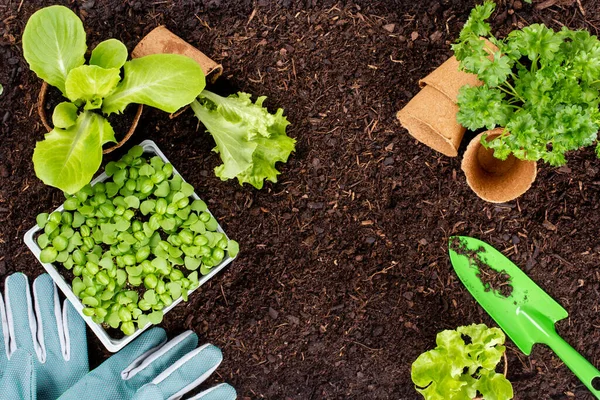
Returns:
<point x="389" y="27"/>
<point x="273" y="313"/>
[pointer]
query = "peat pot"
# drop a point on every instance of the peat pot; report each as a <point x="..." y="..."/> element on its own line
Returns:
<point x="430" y="116"/>
<point x="492" y="179"/>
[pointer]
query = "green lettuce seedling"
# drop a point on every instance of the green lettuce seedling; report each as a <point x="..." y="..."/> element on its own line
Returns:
<point x="463" y="366"/>
<point x="249" y="139"/>
<point x="54" y="45"/>
<point x="542" y="86"/>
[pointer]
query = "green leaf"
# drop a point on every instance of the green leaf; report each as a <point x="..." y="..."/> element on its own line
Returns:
<point x="91" y="84"/>
<point x="481" y="106"/>
<point x="150" y="297"/>
<point x="146" y="170"/>
<point x="233" y="248"/>
<point x="147" y="206"/>
<point x="192" y="263"/>
<point x="187" y="189"/>
<point x="64" y="115"/>
<point x="165" y="81"/>
<point x="199" y="206"/>
<point x="162" y="189"/>
<point x="122" y="225"/>
<point x="249" y="139"/>
<point x="457" y="370"/>
<point x="68" y="158"/>
<point x="198" y="227"/>
<point x="155" y="317"/>
<point x="536" y="41"/>
<point x="110" y="53"/>
<point x="174" y="289"/>
<point x="132" y="201"/>
<point x="494" y="386"/>
<point x="54" y="44"/>
<point x="496" y="71"/>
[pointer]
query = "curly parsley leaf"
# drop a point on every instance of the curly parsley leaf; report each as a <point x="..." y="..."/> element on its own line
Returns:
<point x="481" y="106"/>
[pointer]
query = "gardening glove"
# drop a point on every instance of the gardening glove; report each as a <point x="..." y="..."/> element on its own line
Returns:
<point x="150" y="368"/>
<point x="42" y="352"/>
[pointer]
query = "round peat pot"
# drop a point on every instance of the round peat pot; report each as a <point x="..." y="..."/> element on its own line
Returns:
<point x="430" y="117"/>
<point x="494" y="180"/>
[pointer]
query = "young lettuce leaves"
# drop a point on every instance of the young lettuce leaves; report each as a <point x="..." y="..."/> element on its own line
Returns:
<point x="455" y="370"/>
<point x="164" y="81"/>
<point x="69" y="156"/>
<point x="541" y="85"/>
<point x="249" y="139"/>
<point x="54" y="46"/>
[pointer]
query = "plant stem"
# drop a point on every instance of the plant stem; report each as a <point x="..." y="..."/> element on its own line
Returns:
<point x="514" y="91"/>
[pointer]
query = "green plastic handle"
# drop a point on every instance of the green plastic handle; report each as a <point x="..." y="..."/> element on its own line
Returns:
<point x="581" y="367"/>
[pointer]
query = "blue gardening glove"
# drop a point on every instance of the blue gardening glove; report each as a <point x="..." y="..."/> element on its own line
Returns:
<point x="150" y="368"/>
<point x="42" y="345"/>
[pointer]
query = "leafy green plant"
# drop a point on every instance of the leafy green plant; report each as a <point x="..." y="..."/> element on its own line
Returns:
<point x="134" y="243"/>
<point x="541" y="85"/>
<point x="463" y="366"/>
<point x="249" y="139"/>
<point x="54" y="45"/>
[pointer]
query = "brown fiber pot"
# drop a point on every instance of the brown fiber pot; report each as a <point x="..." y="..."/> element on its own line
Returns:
<point x="494" y="180"/>
<point x="161" y="40"/>
<point x="430" y="116"/>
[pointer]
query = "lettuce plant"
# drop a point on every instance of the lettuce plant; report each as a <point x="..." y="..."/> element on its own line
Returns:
<point x="463" y="366"/>
<point x="541" y="85"/>
<point x="249" y="139"/>
<point x="54" y="45"/>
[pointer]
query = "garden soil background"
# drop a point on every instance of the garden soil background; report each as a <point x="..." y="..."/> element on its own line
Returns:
<point x="343" y="278"/>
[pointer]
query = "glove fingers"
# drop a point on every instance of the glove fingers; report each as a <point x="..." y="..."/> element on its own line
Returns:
<point x="4" y="336"/>
<point x="50" y="328"/>
<point x="143" y="371"/>
<point x="219" y="392"/>
<point x="75" y="337"/>
<point x="19" y="314"/>
<point x="189" y="371"/>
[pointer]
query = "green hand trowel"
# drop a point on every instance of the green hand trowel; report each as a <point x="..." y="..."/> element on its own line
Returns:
<point x="527" y="315"/>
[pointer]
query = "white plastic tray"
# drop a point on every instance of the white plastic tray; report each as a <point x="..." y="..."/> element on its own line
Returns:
<point x="112" y="344"/>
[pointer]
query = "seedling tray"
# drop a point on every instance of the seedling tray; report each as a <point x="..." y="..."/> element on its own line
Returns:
<point x="111" y="343"/>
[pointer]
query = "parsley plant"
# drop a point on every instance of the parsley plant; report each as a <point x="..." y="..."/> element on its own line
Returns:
<point x="541" y="85"/>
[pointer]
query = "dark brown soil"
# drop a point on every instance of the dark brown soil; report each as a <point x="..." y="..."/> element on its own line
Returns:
<point x="496" y="281"/>
<point x="344" y="278"/>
